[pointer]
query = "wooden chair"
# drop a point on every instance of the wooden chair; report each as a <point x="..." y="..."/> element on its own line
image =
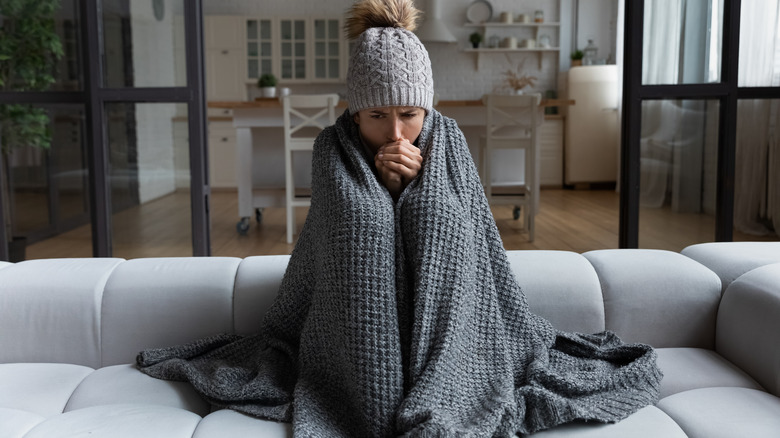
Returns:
<point x="512" y="123"/>
<point x="305" y="115"/>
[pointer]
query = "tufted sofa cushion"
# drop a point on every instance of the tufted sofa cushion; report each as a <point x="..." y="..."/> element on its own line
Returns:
<point x="732" y="259"/>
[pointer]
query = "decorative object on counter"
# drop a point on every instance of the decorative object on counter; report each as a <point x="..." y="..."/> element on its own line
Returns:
<point x="590" y="53"/>
<point x="480" y="11"/>
<point x="544" y="41"/>
<point x="576" y="58"/>
<point x="494" y="42"/>
<point x="524" y="18"/>
<point x="284" y="91"/>
<point x="475" y="39"/>
<point x="539" y="16"/>
<point x="529" y="43"/>
<point x="516" y="80"/>
<point x="267" y="85"/>
<point x="506" y="17"/>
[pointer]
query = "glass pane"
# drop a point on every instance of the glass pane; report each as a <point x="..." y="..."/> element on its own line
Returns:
<point x="144" y="43"/>
<point x="265" y="49"/>
<point x="300" y="33"/>
<point x="759" y="44"/>
<point x="682" y="41"/>
<point x="300" y="69"/>
<point x="678" y="173"/>
<point x="319" y="68"/>
<point x="319" y="49"/>
<point x="319" y="29"/>
<point x="265" y="29"/>
<point x="333" y="68"/>
<point x="300" y="49"/>
<point x="265" y="66"/>
<point x="286" y="49"/>
<point x="251" y="49"/>
<point x="333" y="29"/>
<point x="252" y="68"/>
<point x="286" y="30"/>
<point x="757" y="176"/>
<point x="38" y="64"/>
<point x="287" y="69"/>
<point x="49" y="195"/>
<point x="251" y="29"/>
<point x="333" y="49"/>
<point x="150" y="179"/>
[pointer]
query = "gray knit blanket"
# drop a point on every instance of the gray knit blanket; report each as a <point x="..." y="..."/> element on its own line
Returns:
<point x="405" y="318"/>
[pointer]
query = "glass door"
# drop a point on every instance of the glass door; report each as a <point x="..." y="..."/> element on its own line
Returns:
<point x="118" y="167"/>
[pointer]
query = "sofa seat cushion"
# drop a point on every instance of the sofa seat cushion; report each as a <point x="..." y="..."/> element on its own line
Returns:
<point x="16" y="423"/>
<point x="691" y="368"/>
<point x="226" y="423"/>
<point x="39" y="388"/>
<point x="725" y="412"/>
<point x="649" y="422"/>
<point x="122" y="384"/>
<point x="119" y="421"/>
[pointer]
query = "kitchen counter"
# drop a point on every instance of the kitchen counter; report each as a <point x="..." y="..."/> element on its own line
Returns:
<point x="442" y="104"/>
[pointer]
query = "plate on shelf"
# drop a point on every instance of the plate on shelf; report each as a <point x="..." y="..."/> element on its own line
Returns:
<point x="481" y="11"/>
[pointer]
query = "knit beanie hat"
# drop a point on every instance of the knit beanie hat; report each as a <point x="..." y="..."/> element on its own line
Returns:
<point x="389" y="65"/>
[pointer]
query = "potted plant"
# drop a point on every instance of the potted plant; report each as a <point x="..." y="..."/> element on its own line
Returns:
<point x="29" y="51"/>
<point x="475" y="39"/>
<point x="576" y="58"/>
<point x="267" y="85"/>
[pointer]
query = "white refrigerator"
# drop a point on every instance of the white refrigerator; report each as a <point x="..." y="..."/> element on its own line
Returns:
<point x="591" y="144"/>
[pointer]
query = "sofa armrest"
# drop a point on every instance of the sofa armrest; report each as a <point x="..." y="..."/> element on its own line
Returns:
<point x="748" y="327"/>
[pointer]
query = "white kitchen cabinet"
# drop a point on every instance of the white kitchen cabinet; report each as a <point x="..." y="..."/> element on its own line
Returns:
<point x="550" y="137"/>
<point x="222" y="155"/>
<point x="296" y="50"/>
<point x="225" y="43"/>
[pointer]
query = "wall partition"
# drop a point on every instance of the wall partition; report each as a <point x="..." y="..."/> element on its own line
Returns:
<point x="700" y="122"/>
<point x="121" y="170"/>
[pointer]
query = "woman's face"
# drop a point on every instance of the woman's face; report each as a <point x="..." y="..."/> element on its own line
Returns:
<point x="379" y="126"/>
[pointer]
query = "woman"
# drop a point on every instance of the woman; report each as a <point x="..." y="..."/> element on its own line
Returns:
<point x="398" y="313"/>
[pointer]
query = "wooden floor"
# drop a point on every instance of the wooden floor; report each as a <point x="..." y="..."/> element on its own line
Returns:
<point x="573" y="220"/>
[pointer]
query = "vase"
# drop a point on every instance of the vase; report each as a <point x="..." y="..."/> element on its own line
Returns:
<point x="268" y="92"/>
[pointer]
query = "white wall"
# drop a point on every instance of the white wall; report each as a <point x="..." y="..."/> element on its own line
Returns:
<point x="597" y="21"/>
<point x="456" y="75"/>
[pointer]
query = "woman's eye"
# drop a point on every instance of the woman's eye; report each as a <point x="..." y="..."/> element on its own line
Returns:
<point x="410" y="115"/>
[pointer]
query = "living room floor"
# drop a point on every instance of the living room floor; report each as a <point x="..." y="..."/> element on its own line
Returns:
<point x="573" y="220"/>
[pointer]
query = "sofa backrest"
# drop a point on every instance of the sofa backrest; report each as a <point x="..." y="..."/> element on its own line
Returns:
<point x="99" y="312"/>
<point x="657" y="297"/>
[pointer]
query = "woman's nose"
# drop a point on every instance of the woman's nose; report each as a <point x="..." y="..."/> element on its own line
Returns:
<point x="395" y="133"/>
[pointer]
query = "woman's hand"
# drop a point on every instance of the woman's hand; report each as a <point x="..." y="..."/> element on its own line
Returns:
<point x="398" y="163"/>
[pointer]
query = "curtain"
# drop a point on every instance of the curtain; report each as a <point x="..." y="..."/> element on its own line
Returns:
<point x="756" y="204"/>
<point x="662" y="41"/>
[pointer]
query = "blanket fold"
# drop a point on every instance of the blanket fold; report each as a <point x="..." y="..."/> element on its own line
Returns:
<point x="405" y="318"/>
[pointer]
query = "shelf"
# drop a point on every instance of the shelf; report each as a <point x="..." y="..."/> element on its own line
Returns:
<point x="538" y="50"/>
<point x="500" y="24"/>
<point x="519" y="49"/>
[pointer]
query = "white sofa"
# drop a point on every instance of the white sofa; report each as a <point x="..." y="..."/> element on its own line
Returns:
<point x="71" y="328"/>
